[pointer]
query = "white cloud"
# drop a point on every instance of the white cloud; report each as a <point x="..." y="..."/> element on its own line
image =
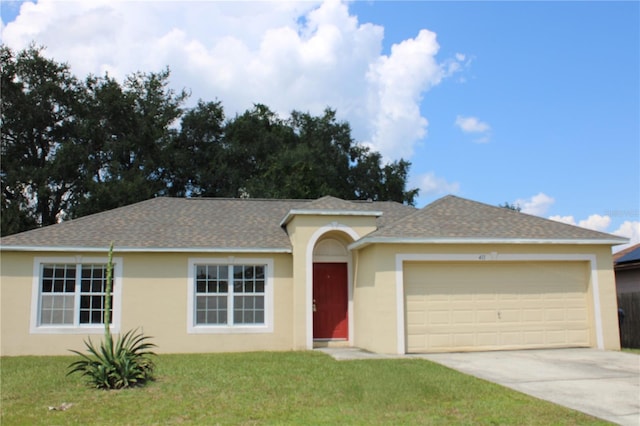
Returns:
<point x="564" y="219"/>
<point x="471" y="125"/>
<point x="288" y="55"/>
<point x="474" y="125"/>
<point x="430" y="184"/>
<point x="536" y="205"/>
<point x="595" y="222"/>
<point x="628" y="229"/>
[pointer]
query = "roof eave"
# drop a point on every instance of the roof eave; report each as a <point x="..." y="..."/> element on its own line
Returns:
<point x="394" y="240"/>
<point x="302" y="212"/>
<point x="75" y="249"/>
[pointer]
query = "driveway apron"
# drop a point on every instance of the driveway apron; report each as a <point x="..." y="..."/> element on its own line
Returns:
<point x="604" y="384"/>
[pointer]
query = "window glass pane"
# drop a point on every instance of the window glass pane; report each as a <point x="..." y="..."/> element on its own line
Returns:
<point x="92" y="294"/>
<point x="201" y="271"/>
<point x="47" y="302"/>
<point x="237" y="272"/>
<point x="259" y="286"/>
<point x="245" y="309"/>
<point x="86" y="273"/>
<point x="211" y="309"/>
<point x="47" y="271"/>
<point x="56" y="309"/>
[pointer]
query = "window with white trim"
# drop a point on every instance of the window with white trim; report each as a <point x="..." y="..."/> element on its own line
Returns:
<point x="69" y="295"/>
<point x="225" y="289"/>
<point x="230" y="296"/>
<point x="73" y="294"/>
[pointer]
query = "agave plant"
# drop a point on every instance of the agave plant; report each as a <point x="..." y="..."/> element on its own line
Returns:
<point x="127" y="363"/>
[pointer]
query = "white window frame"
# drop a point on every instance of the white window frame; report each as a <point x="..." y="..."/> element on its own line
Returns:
<point x="76" y="328"/>
<point x="193" y="328"/>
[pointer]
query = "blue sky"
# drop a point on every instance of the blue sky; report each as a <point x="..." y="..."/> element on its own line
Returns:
<point x="534" y="103"/>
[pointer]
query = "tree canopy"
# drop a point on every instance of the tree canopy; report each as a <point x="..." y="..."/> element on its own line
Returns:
<point x="72" y="147"/>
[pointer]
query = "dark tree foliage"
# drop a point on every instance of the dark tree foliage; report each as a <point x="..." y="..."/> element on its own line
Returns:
<point x="128" y="139"/>
<point x="196" y="164"/>
<point x="72" y="148"/>
<point x="40" y="158"/>
<point x="507" y="205"/>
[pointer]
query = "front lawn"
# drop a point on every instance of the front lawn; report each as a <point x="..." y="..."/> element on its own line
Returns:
<point x="267" y="388"/>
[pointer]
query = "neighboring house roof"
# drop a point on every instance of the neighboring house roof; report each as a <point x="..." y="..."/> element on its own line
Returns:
<point x="453" y="219"/>
<point x="250" y="225"/>
<point x="628" y="256"/>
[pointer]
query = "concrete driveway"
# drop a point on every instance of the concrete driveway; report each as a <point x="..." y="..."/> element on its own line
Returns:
<point x="604" y="384"/>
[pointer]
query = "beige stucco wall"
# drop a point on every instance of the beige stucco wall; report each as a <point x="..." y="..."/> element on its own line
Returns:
<point x="375" y="289"/>
<point x="155" y="286"/>
<point x="154" y="298"/>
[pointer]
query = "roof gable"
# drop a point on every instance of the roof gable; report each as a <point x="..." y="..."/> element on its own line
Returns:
<point x="455" y="219"/>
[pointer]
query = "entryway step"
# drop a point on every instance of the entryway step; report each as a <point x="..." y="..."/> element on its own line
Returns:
<point x="330" y="344"/>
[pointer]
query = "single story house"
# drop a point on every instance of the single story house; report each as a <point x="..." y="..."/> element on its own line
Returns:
<point x="209" y="275"/>
<point x="626" y="266"/>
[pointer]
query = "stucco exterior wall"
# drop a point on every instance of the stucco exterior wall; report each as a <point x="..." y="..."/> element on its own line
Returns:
<point x="376" y="287"/>
<point x="154" y="298"/>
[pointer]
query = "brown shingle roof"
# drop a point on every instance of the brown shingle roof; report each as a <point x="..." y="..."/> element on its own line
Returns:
<point x="216" y="224"/>
<point x="189" y="223"/>
<point x="451" y="218"/>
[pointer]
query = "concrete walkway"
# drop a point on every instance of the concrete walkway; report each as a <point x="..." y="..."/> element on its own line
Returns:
<point x="604" y="384"/>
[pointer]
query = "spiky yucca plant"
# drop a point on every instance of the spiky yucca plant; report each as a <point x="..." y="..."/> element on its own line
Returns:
<point x="127" y="363"/>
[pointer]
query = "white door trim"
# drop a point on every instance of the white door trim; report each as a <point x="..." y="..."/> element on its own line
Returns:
<point x="334" y="226"/>
<point x="489" y="257"/>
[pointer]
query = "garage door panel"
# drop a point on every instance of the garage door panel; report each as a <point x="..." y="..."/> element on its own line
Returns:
<point x="481" y="306"/>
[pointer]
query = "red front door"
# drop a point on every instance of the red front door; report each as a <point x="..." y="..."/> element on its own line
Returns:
<point x="330" y="301"/>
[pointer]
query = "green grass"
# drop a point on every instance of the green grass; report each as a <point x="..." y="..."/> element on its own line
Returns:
<point x="271" y="388"/>
<point x="631" y="350"/>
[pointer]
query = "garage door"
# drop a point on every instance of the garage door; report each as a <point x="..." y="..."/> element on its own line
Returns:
<point x="487" y="306"/>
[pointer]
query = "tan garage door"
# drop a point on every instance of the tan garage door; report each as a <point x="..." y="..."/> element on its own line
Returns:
<point x="486" y="306"/>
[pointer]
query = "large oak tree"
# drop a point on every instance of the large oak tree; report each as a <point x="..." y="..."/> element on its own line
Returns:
<point x="73" y="147"/>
